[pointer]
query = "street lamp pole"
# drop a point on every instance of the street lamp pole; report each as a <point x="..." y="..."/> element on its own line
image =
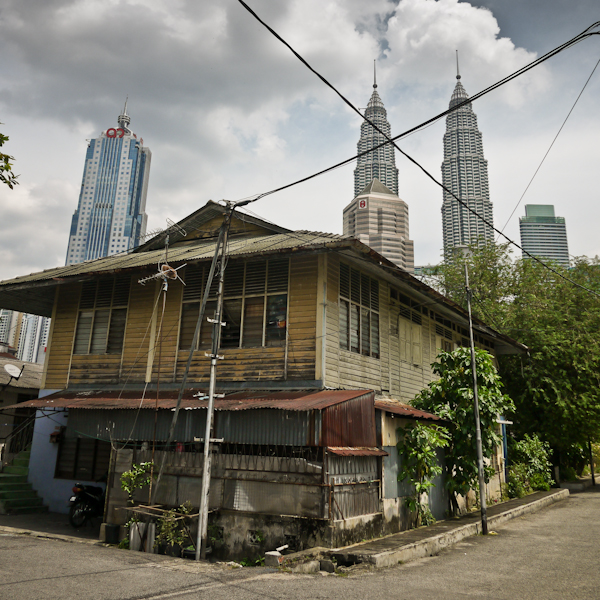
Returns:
<point x="482" y="502"/>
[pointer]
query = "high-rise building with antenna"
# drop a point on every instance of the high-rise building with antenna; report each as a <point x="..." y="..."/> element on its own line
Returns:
<point x="465" y="174"/>
<point x="381" y="163"/>
<point x="110" y="215"/>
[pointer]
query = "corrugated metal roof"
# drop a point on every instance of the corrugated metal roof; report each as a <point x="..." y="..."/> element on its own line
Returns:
<point x="196" y="250"/>
<point x="404" y="410"/>
<point x="347" y="451"/>
<point x="295" y="401"/>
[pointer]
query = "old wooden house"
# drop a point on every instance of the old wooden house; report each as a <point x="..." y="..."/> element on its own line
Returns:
<point x="325" y="344"/>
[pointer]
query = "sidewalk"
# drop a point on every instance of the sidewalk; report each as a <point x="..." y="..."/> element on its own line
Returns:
<point x="50" y="525"/>
<point x="427" y="541"/>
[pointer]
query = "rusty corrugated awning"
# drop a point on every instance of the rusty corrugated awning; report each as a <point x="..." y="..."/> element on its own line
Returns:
<point x="114" y="400"/>
<point x="347" y="451"/>
<point x="404" y="410"/>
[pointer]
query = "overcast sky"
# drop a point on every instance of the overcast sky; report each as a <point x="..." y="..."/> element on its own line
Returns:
<point x="229" y="112"/>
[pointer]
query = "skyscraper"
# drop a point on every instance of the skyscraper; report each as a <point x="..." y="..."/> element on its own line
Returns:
<point x="380" y="164"/>
<point x="464" y="172"/>
<point x="379" y="219"/>
<point x="110" y="215"/>
<point x="543" y="235"/>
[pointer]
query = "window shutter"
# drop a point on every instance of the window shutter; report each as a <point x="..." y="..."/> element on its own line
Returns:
<point x="344" y="280"/>
<point x="116" y="333"/>
<point x="253" y="321"/>
<point x="354" y="328"/>
<point x="256" y="273"/>
<point x="84" y="328"/>
<point x="189" y="318"/>
<point x="417" y="356"/>
<point x="344" y="324"/>
<point x="100" y="332"/>
<point x="105" y="292"/>
<point x="121" y="291"/>
<point x="278" y="275"/>
<point x="88" y="294"/>
<point x="234" y="279"/>
<point x="375" y="335"/>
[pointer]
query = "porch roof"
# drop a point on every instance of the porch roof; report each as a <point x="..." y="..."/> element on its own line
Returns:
<point x="405" y="410"/>
<point x="131" y="400"/>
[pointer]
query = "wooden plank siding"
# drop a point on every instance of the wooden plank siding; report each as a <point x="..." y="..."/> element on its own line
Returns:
<point x="313" y="308"/>
<point x="269" y="364"/>
<point x="302" y="318"/>
<point x="391" y="374"/>
<point x="137" y="342"/>
<point x="166" y="340"/>
<point x="63" y="332"/>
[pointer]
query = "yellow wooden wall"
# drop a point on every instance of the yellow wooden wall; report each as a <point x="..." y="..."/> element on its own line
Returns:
<point x="274" y="363"/>
<point x="141" y="356"/>
<point x="390" y="375"/>
<point x="58" y="355"/>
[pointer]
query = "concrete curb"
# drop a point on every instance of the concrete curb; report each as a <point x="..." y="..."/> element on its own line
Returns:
<point x="50" y="536"/>
<point x="433" y="545"/>
<point x="577" y="486"/>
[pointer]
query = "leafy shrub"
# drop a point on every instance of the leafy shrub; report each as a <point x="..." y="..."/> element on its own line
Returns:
<point x="530" y="469"/>
<point x="518" y="483"/>
<point x="420" y="464"/>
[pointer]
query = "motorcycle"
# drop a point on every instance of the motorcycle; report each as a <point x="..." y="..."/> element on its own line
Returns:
<point x="86" y="503"/>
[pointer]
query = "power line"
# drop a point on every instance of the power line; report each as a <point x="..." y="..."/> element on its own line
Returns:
<point x="586" y="33"/>
<point x="550" y="147"/>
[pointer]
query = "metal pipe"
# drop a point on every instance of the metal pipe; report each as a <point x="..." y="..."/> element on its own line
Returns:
<point x="484" y="525"/>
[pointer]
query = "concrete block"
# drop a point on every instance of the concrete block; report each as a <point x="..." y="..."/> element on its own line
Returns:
<point x="326" y="565"/>
<point x="312" y="566"/>
<point x="273" y="559"/>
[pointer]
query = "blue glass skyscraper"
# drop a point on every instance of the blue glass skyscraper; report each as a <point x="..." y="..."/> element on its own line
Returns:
<point x="111" y="213"/>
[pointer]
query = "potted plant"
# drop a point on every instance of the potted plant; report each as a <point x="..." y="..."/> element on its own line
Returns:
<point x="172" y="532"/>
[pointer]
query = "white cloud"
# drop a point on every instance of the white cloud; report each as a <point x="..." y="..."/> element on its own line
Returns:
<point x="228" y="111"/>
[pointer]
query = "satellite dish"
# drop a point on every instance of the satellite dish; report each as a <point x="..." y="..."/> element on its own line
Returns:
<point x="13" y="371"/>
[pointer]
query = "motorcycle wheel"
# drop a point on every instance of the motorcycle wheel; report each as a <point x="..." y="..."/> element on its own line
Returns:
<point x="78" y="514"/>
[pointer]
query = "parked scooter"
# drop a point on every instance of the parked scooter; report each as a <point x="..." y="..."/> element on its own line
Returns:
<point x="86" y="503"/>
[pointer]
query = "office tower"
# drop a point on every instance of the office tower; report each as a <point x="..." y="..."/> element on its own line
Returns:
<point x="33" y="338"/>
<point x="379" y="219"/>
<point x="381" y="163"/>
<point x="543" y="235"/>
<point x="27" y="334"/>
<point x="110" y="215"/>
<point x="465" y="174"/>
<point x="10" y="324"/>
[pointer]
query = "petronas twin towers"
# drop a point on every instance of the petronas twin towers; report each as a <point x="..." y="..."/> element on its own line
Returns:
<point x="465" y="174"/>
<point x="379" y="218"/>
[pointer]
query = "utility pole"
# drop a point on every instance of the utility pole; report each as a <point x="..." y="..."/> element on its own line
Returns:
<point x="214" y="357"/>
<point x="484" y="525"/>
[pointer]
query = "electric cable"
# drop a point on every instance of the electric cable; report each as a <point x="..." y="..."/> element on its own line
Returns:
<point x="550" y="147"/>
<point x="586" y="33"/>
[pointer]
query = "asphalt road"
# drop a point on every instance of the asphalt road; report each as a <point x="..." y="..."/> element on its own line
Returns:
<point x="553" y="554"/>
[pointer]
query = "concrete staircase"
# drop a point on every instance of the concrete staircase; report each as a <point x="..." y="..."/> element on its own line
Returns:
<point x="16" y="494"/>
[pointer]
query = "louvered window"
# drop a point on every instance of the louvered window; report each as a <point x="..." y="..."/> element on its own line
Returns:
<point x="359" y="312"/>
<point x="254" y="305"/>
<point x="102" y="316"/>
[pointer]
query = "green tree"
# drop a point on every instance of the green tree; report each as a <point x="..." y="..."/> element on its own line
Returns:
<point x="451" y="398"/>
<point x="417" y="450"/>
<point x="6" y="174"/>
<point x="556" y="389"/>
